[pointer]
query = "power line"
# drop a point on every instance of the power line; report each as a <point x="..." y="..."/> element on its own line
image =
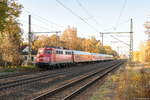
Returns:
<point x="124" y="36"/>
<point x="119" y="40"/>
<point x="44" y="19"/>
<point x="39" y="26"/>
<point x="46" y="23"/>
<point x="121" y="12"/>
<point x="35" y="25"/>
<point x="87" y="12"/>
<point x="124" y="22"/>
<point x="79" y="17"/>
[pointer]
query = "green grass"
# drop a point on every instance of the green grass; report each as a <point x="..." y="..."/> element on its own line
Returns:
<point x="17" y="68"/>
<point x="8" y="70"/>
<point x="29" y="67"/>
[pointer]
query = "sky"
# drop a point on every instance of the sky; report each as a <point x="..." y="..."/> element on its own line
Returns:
<point x="90" y="17"/>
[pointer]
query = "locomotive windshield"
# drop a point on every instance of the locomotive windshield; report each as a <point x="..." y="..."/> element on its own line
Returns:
<point x="44" y="51"/>
<point x="48" y="51"/>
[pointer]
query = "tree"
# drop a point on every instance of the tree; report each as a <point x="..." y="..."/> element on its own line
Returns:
<point x="10" y="32"/>
<point x="9" y="10"/>
<point x="146" y="49"/>
<point x="69" y="37"/>
<point x="3" y="9"/>
<point x="86" y="45"/>
<point x="55" y="41"/>
<point x="136" y="56"/>
<point x="91" y="45"/>
<point x="41" y="41"/>
<point x="70" y="40"/>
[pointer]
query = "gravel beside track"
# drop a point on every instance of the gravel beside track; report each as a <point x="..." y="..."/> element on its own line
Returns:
<point x="17" y="72"/>
<point x="30" y="87"/>
<point x="13" y="74"/>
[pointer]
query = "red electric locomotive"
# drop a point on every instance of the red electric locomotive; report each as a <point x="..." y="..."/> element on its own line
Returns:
<point x="53" y="56"/>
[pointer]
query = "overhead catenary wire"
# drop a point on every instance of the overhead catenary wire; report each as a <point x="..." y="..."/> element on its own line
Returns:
<point x="119" y="24"/>
<point x="25" y="36"/>
<point x="45" y="23"/>
<point x="37" y="25"/>
<point x="43" y="19"/>
<point x="121" y="13"/>
<point x="87" y="12"/>
<point x="119" y="40"/>
<point x="76" y="15"/>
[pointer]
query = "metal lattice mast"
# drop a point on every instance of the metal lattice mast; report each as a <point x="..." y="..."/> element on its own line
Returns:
<point x="29" y="41"/>
<point x="131" y="41"/>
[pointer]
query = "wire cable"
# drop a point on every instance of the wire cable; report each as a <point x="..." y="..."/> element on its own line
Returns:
<point x="119" y="40"/>
<point x="121" y="12"/>
<point x="44" y="19"/>
<point x="118" y="25"/>
<point x="42" y="27"/>
<point x="76" y="15"/>
<point x="87" y="12"/>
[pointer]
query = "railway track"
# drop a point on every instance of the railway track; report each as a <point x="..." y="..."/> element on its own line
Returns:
<point x="70" y="90"/>
<point x="30" y="79"/>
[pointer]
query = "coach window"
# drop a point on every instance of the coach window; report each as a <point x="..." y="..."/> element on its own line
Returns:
<point x="61" y="52"/>
<point x="57" y="52"/>
<point x="66" y="53"/>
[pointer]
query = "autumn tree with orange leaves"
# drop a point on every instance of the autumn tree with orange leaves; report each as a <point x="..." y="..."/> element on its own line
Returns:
<point x="143" y="55"/>
<point x="70" y="40"/>
<point x="10" y="33"/>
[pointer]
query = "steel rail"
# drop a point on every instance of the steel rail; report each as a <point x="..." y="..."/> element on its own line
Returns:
<point x="59" y="89"/>
<point x="81" y="89"/>
<point x="31" y="79"/>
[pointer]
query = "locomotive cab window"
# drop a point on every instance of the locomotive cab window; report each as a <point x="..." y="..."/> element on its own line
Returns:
<point x="48" y="51"/>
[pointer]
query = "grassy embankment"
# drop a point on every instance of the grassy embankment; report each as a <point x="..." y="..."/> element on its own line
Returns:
<point x="130" y="83"/>
<point x="17" y="68"/>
